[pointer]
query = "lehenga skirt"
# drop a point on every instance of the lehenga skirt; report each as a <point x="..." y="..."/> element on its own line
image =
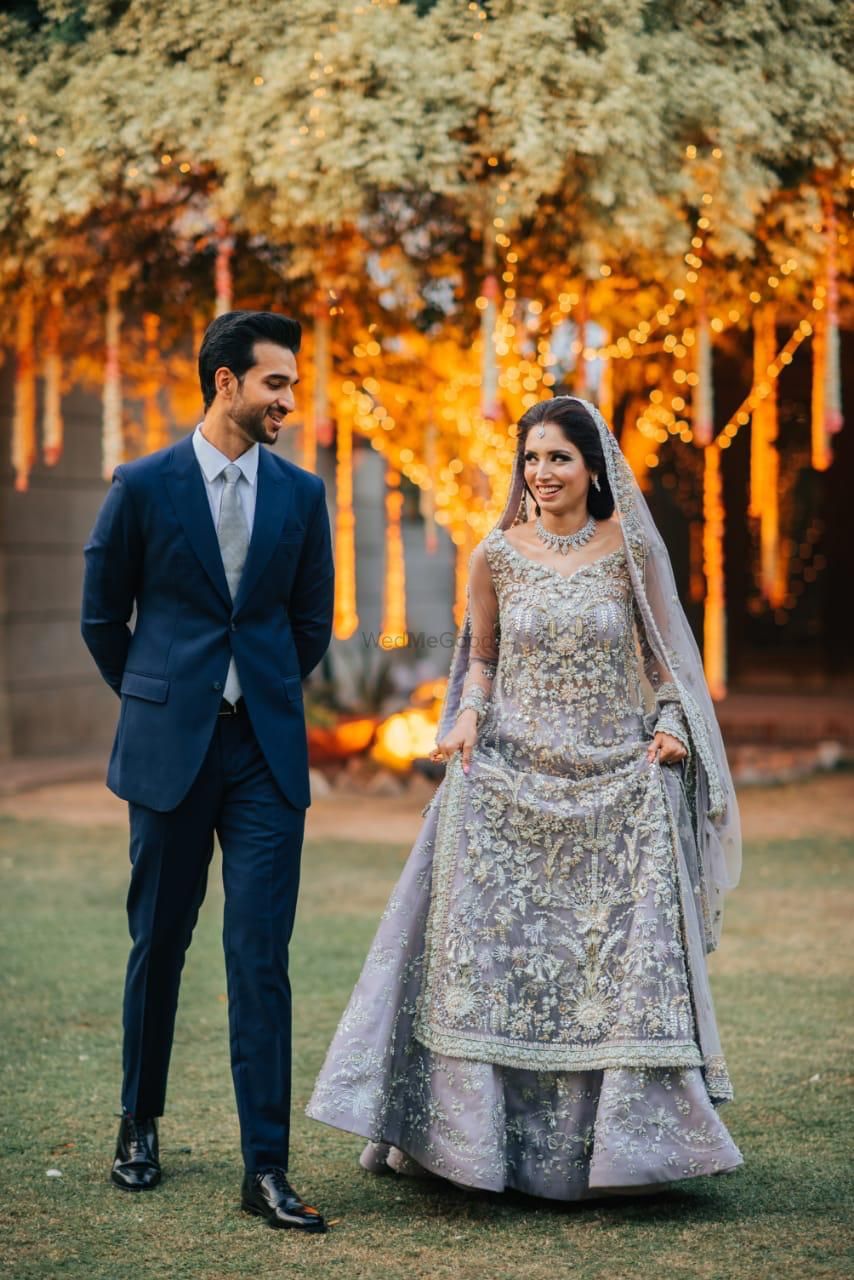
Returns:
<point x="534" y="1010"/>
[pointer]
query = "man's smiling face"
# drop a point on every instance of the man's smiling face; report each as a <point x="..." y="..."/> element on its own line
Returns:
<point x="264" y="396"/>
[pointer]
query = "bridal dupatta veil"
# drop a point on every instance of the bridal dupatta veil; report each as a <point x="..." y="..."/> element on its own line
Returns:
<point x="709" y="791"/>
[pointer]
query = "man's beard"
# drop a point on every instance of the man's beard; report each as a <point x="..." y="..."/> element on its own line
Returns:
<point x="252" y="421"/>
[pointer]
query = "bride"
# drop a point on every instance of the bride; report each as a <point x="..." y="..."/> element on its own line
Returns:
<point x="535" y="1011"/>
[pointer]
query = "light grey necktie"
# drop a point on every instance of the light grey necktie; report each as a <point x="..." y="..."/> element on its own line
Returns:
<point x="233" y="534"/>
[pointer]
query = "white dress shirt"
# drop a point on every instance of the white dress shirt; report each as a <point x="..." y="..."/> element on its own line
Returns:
<point x="212" y="464"/>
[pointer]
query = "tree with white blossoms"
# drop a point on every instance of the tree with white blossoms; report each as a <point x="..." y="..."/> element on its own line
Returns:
<point x="469" y="202"/>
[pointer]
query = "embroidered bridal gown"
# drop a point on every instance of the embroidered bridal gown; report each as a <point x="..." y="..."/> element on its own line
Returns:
<point x="534" y="1011"/>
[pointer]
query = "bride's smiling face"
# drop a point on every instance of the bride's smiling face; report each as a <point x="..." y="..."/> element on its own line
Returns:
<point x="555" y="470"/>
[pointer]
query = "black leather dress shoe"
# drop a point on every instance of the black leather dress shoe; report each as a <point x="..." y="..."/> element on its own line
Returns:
<point x="137" y="1163"/>
<point x="269" y="1195"/>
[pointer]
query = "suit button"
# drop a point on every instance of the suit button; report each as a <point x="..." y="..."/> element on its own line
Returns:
<point x="234" y="626"/>
<point x="216" y="686"/>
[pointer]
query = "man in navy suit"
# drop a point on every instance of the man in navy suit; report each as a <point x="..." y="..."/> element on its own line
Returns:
<point x="223" y="548"/>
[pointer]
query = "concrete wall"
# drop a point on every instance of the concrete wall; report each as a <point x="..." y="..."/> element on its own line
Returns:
<point x="52" y="699"/>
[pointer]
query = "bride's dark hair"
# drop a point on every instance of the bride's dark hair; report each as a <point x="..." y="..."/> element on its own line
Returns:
<point x="579" y="429"/>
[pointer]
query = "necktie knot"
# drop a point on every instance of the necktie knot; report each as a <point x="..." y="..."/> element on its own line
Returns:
<point x="232" y="473"/>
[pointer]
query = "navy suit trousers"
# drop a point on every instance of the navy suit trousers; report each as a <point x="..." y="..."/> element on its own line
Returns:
<point x="234" y="796"/>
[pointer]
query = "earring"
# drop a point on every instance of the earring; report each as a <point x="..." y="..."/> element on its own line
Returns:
<point x="596" y="484"/>
<point x="522" y="517"/>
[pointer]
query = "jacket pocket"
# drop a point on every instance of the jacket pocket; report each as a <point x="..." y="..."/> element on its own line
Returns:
<point x="150" y="688"/>
<point x="293" y="687"/>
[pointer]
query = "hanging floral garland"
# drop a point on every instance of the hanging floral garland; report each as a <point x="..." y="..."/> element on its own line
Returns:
<point x="24" y="447"/>
<point x="490" y="406"/>
<point x="52" y="423"/>
<point x="703" y="405"/>
<point x="223" y="282"/>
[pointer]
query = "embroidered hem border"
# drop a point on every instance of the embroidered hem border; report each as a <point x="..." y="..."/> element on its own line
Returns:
<point x="556" y="1057"/>
<point x="718" y="1083"/>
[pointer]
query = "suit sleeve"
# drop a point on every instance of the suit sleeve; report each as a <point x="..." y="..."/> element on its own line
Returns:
<point x="113" y="567"/>
<point x="313" y="592"/>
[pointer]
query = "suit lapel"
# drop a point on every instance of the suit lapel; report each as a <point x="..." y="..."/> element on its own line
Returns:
<point x="186" y="488"/>
<point x="272" y="502"/>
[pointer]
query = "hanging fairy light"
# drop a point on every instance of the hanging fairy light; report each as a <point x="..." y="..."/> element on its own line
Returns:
<point x="489" y="408"/>
<point x="826" y="416"/>
<point x="394" y="589"/>
<point x="427" y="497"/>
<point x="714" y="614"/>
<point x="320" y="427"/>
<point x="24" y="448"/>
<point x="52" y="423"/>
<point x="153" y="421"/>
<point x="346" y="618"/>
<point x="765" y="460"/>
<point x="112" y="439"/>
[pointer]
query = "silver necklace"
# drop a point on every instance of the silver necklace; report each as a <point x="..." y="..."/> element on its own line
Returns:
<point x="565" y="542"/>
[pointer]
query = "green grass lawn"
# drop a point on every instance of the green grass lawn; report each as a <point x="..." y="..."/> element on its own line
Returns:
<point x="781" y="984"/>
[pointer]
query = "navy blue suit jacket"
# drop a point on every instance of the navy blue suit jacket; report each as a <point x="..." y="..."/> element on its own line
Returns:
<point x="154" y="548"/>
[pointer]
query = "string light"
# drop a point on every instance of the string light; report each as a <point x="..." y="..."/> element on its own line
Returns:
<point x="345" y="615"/>
<point x="394" y="587"/>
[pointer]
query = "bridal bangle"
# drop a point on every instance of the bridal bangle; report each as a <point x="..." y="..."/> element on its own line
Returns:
<point x="474" y="699"/>
<point x="671" y="721"/>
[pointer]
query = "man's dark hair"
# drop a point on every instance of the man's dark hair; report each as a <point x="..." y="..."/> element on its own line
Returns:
<point x="229" y="343"/>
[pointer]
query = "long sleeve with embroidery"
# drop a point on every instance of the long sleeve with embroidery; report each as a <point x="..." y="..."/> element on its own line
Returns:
<point x="668" y="716"/>
<point x="483" y="659"/>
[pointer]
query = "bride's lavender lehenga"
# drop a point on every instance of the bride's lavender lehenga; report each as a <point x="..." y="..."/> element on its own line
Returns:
<point x="534" y="1011"/>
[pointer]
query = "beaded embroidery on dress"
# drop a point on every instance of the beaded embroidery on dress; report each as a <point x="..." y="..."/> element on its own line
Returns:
<point x="534" y="1011"/>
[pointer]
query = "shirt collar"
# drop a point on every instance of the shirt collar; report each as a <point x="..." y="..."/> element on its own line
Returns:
<point x="213" y="463"/>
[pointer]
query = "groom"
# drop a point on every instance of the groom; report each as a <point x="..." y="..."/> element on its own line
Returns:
<point x="223" y="549"/>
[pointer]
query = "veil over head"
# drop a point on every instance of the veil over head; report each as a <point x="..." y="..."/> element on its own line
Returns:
<point x="708" y="783"/>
